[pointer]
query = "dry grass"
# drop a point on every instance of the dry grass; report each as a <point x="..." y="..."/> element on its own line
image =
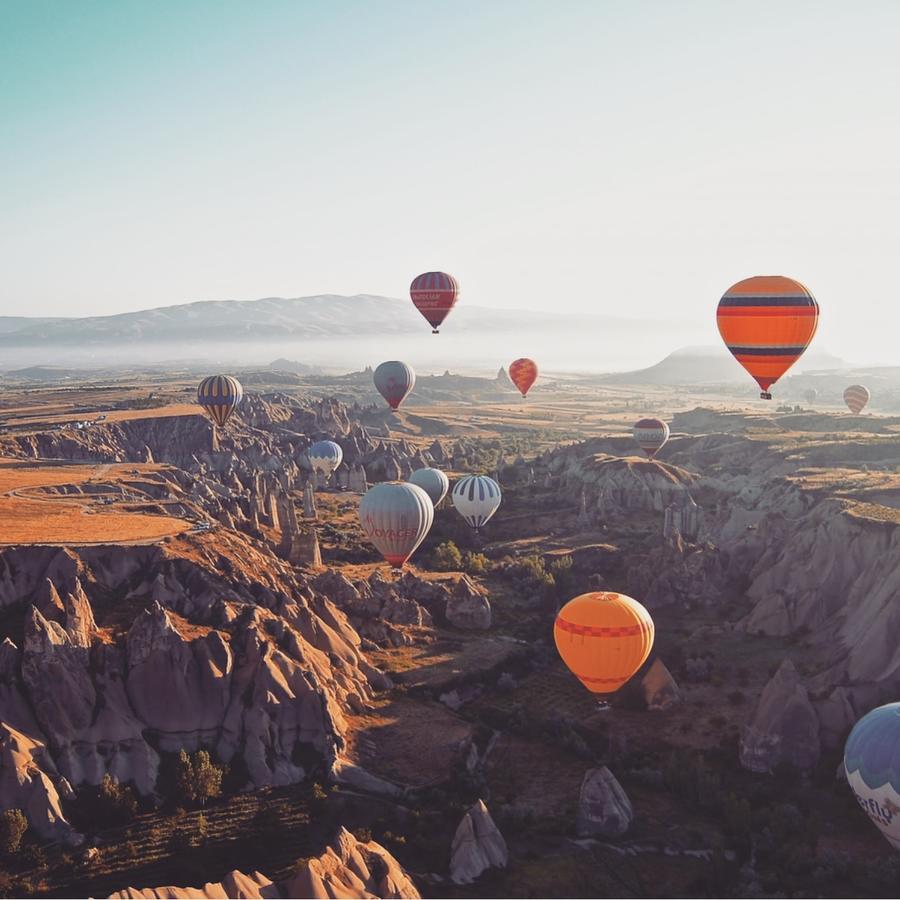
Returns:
<point x="72" y="519"/>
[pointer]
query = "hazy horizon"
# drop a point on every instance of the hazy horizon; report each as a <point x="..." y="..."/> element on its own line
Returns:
<point x="620" y="158"/>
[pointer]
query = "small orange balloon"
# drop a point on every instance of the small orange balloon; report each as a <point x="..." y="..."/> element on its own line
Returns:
<point x="604" y="638"/>
<point x="523" y="373"/>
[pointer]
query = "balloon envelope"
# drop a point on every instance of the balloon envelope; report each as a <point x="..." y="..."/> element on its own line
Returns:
<point x="767" y="322"/>
<point x="434" y="295"/>
<point x="394" y="380"/>
<point x="650" y="435"/>
<point x="219" y="395"/>
<point x="476" y="498"/>
<point x="872" y="764"/>
<point x="523" y="373"/>
<point x="325" y="456"/>
<point x="856" y="397"/>
<point x="395" y="517"/>
<point x="433" y="481"/>
<point x="604" y="638"/>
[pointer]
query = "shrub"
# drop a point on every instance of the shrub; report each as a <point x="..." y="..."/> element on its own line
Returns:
<point x="475" y="563"/>
<point x="446" y="557"/>
<point x="198" y="779"/>
<point x="736" y="698"/>
<point x="111" y="803"/>
<point x="13" y="826"/>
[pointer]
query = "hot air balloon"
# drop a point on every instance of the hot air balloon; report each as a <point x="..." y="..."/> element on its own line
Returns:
<point x="810" y="396"/>
<point x="219" y="395"/>
<point x="433" y="481"/>
<point x="476" y="498"/>
<point x="395" y="517"/>
<point x="856" y="397"/>
<point x="872" y="764"/>
<point x="767" y="322"/>
<point x="523" y="373"/>
<point x="604" y="638"/>
<point x="434" y="295"/>
<point x="650" y="435"/>
<point x="394" y="380"/>
<point x="325" y="457"/>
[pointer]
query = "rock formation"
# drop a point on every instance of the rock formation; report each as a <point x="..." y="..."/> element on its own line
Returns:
<point x="659" y="687"/>
<point x="477" y="846"/>
<point x="784" y="728"/>
<point x="468" y="608"/>
<point x="349" y="868"/>
<point x="603" y="807"/>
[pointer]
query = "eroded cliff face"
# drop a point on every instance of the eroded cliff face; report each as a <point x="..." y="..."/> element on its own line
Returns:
<point x="127" y="653"/>
<point x="807" y="531"/>
<point x="348" y="868"/>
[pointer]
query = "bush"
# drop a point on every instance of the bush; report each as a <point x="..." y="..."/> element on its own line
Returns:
<point x="111" y="804"/>
<point x="198" y="779"/>
<point x="13" y="826"/>
<point x="736" y="698"/>
<point x="475" y="563"/>
<point x="446" y="558"/>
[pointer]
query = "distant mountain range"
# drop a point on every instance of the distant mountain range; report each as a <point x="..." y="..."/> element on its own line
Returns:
<point x="277" y="319"/>
<point x="713" y="365"/>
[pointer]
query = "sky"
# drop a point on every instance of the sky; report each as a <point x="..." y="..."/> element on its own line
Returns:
<point x="631" y="158"/>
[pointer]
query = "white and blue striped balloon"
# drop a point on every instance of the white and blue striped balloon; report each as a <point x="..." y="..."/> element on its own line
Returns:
<point x="325" y="456"/>
<point x="476" y="498"/>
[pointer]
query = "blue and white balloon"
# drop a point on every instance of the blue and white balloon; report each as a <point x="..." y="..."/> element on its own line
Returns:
<point x="476" y="498"/>
<point x="872" y="764"/>
<point x="325" y="457"/>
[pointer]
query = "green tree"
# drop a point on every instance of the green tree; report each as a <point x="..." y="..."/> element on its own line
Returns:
<point x="13" y="826"/>
<point x="116" y="803"/>
<point x="198" y="779"/>
<point x="446" y="557"/>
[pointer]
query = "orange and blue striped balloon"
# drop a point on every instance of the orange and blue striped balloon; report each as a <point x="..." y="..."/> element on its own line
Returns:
<point x="219" y="395"/>
<point x="767" y="322"/>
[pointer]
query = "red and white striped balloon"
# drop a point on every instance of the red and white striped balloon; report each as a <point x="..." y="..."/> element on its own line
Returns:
<point x="650" y="435"/>
<point x="856" y="397"/>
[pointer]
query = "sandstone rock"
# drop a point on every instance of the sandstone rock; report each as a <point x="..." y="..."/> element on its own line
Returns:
<point x="784" y="728"/>
<point x="603" y="806"/>
<point x="468" y="608"/>
<point x="477" y="846"/>
<point x="234" y="886"/>
<point x="660" y="689"/>
<point x="351" y="868"/>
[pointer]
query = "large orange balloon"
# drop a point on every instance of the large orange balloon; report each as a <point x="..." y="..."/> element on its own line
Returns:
<point x="767" y="322"/>
<point x="523" y="373"/>
<point x="604" y="638"/>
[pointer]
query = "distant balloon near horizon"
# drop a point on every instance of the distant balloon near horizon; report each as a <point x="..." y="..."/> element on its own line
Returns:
<point x="651" y="435"/>
<point x="325" y="457"/>
<point x="857" y="397"/>
<point x="810" y="396"/>
<point x="434" y="294"/>
<point x="219" y="395"/>
<point x="434" y="482"/>
<point x="603" y="638"/>
<point x="394" y="380"/>
<point x="395" y="517"/>
<point x="476" y="498"/>
<point x="523" y="373"/>
<point x="872" y="766"/>
<point x="767" y="322"/>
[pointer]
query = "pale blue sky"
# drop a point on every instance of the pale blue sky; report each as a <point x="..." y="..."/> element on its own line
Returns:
<point x="630" y="157"/>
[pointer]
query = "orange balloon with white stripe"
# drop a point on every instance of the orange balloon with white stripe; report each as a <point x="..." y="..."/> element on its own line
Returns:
<point x="604" y="638"/>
